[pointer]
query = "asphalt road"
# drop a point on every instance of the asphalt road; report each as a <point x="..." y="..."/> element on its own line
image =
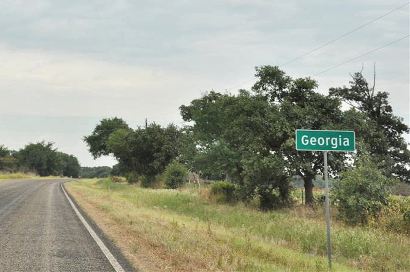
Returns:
<point x="39" y="230"/>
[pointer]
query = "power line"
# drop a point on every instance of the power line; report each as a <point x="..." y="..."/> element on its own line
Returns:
<point x="362" y="55"/>
<point x="342" y="36"/>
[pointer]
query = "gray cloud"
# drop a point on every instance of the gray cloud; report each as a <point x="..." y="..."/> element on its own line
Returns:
<point x="137" y="59"/>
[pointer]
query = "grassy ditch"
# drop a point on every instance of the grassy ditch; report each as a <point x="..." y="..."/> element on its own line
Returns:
<point x="170" y="230"/>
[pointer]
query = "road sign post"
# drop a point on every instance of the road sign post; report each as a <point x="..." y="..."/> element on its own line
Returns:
<point x="327" y="211"/>
<point x="326" y="140"/>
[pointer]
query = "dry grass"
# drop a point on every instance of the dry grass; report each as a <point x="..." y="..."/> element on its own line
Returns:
<point x="18" y="175"/>
<point x="167" y="230"/>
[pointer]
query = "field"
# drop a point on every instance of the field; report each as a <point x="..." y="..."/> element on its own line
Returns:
<point x="171" y="230"/>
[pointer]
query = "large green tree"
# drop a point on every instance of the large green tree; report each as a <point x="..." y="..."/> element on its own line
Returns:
<point x="144" y="152"/>
<point x="40" y="157"/>
<point x="302" y="107"/>
<point x="378" y="129"/>
<point x="44" y="159"/>
<point x="236" y="136"/>
<point x="68" y="165"/>
<point x="97" y="141"/>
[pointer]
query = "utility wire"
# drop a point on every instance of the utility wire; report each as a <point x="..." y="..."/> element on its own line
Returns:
<point x="342" y="36"/>
<point x="362" y="55"/>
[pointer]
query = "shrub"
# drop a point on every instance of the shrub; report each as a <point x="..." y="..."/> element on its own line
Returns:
<point x="361" y="193"/>
<point x="148" y="181"/>
<point x="224" y="191"/>
<point x="117" y="179"/>
<point x="394" y="217"/>
<point x="175" y="175"/>
<point x="265" y="178"/>
<point x="132" y="177"/>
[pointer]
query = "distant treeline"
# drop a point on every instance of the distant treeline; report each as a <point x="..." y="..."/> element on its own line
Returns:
<point x="95" y="172"/>
<point x="41" y="158"/>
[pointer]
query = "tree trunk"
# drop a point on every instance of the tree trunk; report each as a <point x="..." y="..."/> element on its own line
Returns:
<point x="308" y="181"/>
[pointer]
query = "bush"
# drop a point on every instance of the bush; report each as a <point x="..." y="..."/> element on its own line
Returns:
<point x="132" y="177"/>
<point x="116" y="179"/>
<point x="224" y="191"/>
<point x="175" y="175"/>
<point x="361" y="193"/>
<point x="148" y="181"/>
<point x="394" y="217"/>
<point x="265" y="178"/>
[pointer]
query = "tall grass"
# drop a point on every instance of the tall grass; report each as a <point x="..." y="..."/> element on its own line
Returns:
<point x="18" y="175"/>
<point x="246" y="239"/>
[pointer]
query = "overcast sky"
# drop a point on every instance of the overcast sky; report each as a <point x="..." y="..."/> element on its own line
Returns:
<point x="64" y="65"/>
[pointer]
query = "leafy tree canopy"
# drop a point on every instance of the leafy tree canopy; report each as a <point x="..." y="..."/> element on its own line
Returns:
<point x="45" y="160"/>
<point x="143" y="152"/>
<point x="8" y="162"/>
<point x="97" y="141"/>
<point x="40" y="157"/>
<point x="300" y="106"/>
<point x="69" y="165"/>
<point x="377" y="127"/>
<point x="236" y="135"/>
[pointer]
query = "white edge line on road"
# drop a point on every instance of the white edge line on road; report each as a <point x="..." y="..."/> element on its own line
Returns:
<point x="115" y="264"/>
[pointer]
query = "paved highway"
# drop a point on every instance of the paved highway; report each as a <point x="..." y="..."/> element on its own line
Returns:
<point x="39" y="230"/>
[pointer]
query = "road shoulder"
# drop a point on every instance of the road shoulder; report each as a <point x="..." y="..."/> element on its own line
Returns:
<point x="108" y="242"/>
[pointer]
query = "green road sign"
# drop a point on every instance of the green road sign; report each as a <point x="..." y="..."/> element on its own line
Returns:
<point x="325" y="140"/>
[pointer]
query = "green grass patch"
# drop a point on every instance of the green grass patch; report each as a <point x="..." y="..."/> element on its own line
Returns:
<point x="237" y="238"/>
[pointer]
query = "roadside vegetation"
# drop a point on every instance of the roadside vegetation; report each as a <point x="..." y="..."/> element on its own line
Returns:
<point x="238" y="151"/>
<point x="248" y="138"/>
<point x="189" y="230"/>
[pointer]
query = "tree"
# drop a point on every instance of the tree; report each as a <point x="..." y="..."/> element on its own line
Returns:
<point x="118" y="170"/>
<point x="97" y="141"/>
<point x="141" y="152"/>
<point x="40" y="157"/>
<point x="236" y="136"/>
<point x="382" y="135"/>
<point x="145" y="151"/>
<point x="300" y="106"/>
<point x="4" y="151"/>
<point x="7" y="160"/>
<point x="45" y="160"/>
<point x="69" y="165"/>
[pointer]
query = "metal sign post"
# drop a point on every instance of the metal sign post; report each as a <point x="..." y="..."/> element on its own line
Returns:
<point x="326" y="140"/>
<point x="327" y="211"/>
